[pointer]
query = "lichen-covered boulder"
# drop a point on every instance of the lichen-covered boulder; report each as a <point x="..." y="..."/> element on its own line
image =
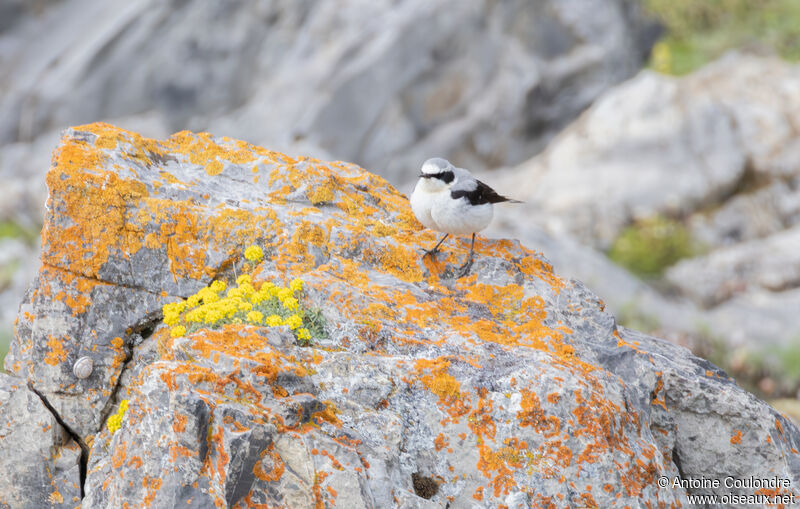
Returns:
<point x="510" y="387"/>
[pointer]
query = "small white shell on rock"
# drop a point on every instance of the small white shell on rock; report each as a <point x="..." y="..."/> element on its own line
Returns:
<point x="83" y="367"/>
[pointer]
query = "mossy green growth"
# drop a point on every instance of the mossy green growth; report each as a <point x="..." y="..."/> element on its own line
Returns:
<point x="5" y="344"/>
<point x="7" y="273"/>
<point x="632" y="317"/>
<point x="785" y="360"/>
<point x="12" y="230"/>
<point x="651" y="245"/>
<point x="698" y="31"/>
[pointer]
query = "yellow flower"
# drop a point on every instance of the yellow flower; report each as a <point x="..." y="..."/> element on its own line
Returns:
<point x="193" y="301"/>
<point x="195" y="315"/>
<point x="247" y="289"/>
<point x="259" y="297"/>
<point x="174" y="308"/>
<point x="296" y="285"/>
<point x="214" y="316"/>
<point x="234" y="293"/>
<point x="171" y="318"/>
<point x="178" y="331"/>
<point x="244" y="278"/>
<point x="253" y="253"/>
<point x="245" y="306"/>
<point x="114" y="423"/>
<point x="303" y="334"/>
<point x="229" y="307"/>
<point x="284" y="293"/>
<point x="218" y="286"/>
<point x="208" y="295"/>
<point x="294" y="322"/>
<point x="290" y="304"/>
<point x="274" y="321"/>
<point x="255" y="316"/>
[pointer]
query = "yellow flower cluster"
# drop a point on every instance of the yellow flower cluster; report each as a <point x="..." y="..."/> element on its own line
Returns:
<point x="115" y="421"/>
<point x="254" y="253"/>
<point x="216" y="305"/>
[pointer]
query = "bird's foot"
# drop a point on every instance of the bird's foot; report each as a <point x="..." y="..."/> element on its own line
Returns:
<point x="463" y="271"/>
<point x="431" y="252"/>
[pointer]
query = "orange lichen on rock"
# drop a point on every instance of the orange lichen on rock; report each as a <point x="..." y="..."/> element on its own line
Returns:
<point x="532" y="266"/>
<point x="506" y="299"/>
<point x="152" y="484"/>
<point x="57" y="354"/>
<point x="532" y="415"/>
<point x="270" y="468"/>
<point x="397" y="260"/>
<point x="434" y="376"/>
<point x="201" y="149"/>
<point x="440" y="442"/>
<point x="94" y="202"/>
<point x="658" y="397"/>
<point x="355" y="240"/>
<point x="180" y="423"/>
<point x="243" y="342"/>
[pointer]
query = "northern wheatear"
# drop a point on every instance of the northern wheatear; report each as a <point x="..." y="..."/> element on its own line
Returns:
<point x="450" y="200"/>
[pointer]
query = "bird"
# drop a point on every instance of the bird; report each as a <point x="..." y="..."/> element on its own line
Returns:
<point x="450" y="200"/>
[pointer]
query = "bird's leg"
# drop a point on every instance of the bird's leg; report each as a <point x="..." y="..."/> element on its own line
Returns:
<point x="464" y="269"/>
<point x="435" y="250"/>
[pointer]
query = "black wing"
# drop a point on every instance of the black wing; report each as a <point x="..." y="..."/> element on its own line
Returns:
<point x="480" y="195"/>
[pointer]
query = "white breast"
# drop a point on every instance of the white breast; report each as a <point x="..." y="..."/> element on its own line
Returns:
<point x="458" y="217"/>
<point x="421" y="204"/>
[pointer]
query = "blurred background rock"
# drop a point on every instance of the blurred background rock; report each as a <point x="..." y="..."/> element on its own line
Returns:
<point x="675" y="198"/>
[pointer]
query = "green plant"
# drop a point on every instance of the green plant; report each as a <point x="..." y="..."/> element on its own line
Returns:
<point x="651" y="245"/>
<point x="632" y="317"/>
<point x="698" y="31"/>
<point x="786" y="361"/>
<point x="10" y="229"/>
<point x="5" y="344"/>
<point x="778" y="366"/>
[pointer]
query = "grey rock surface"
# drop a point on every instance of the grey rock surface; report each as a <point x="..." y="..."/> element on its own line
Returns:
<point x="512" y="386"/>
<point x="769" y="264"/>
<point x="718" y="150"/>
<point x="40" y="464"/>
<point x="380" y="83"/>
<point x="674" y="146"/>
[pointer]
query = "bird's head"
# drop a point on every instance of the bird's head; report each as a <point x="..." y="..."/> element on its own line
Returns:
<point x="436" y="174"/>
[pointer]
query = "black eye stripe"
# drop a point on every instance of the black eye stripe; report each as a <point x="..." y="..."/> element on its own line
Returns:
<point x="444" y="176"/>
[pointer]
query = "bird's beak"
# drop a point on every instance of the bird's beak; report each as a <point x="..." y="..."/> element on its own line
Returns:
<point x="425" y="175"/>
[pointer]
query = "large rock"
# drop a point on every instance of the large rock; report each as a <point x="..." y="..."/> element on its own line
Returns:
<point x="40" y="464"/>
<point x="718" y="150"/>
<point x="380" y="83"/>
<point x="511" y="386"/>
<point x="676" y="146"/>
<point x="771" y="264"/>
